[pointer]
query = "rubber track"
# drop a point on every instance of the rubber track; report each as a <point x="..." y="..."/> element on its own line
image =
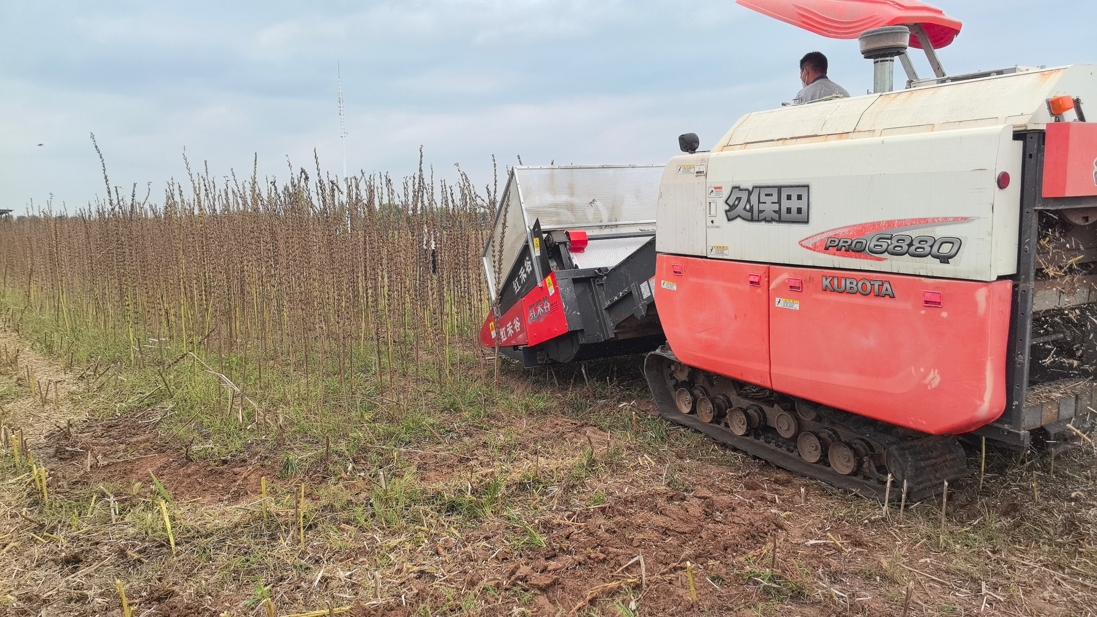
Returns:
<point x="932" y="459"/>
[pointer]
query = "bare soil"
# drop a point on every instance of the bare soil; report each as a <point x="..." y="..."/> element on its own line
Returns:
<point x="589" y="521"/>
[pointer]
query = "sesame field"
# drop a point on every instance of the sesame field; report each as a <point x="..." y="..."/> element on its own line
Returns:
<point x="256" y="397"/>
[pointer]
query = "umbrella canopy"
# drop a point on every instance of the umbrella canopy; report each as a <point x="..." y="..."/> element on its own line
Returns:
<point x="848" y="19"/>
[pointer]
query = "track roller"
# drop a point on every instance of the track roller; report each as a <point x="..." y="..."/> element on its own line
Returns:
<point x="843" y="459"/>
<point x="683" y="398"/>
<point x="786" y="425"/>
<point x="809" y="447"/>
<point x="844" y="449"/>
<point x="709" y="410"/>
<point x="738" y="422"/>
<point x="742" y="420"/>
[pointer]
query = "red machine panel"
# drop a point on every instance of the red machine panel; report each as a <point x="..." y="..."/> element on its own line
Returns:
<point x="535" y="319"/>
<point x="511" y="331"/>
<point x="716" y="314"/>
<point x="1070" y="159"/>
<point x="928" y="354"/>
<point x="544" y="312"/>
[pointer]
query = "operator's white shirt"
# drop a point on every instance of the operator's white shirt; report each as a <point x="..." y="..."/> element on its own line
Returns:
<point x="819" y="89"/>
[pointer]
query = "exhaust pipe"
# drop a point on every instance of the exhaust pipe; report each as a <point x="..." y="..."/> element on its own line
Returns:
<point x="882" y="46"/>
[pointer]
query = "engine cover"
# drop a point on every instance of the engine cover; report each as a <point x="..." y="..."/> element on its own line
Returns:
<point x="924" y="205"/>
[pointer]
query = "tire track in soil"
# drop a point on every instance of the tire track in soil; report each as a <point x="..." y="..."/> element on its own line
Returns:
<point x="28" y="412"/>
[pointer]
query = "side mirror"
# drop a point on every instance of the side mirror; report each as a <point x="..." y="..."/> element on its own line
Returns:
<point x="689" y="142"/>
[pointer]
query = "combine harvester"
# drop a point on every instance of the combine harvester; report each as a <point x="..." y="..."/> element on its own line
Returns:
<point x="847" y="286"/>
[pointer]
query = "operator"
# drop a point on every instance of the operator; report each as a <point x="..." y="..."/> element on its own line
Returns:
<point x="813" y="74"/>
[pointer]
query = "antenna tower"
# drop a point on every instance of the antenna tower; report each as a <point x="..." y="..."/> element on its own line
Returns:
<point x="342" y="121"/>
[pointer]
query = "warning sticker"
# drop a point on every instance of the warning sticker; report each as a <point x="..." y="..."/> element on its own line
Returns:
<point x="716" y="192"/>
<point x="693" y="170"/>
<point x="719" y="251"/>
<point x="670" y="286"/>
<point x="788" y="304"/>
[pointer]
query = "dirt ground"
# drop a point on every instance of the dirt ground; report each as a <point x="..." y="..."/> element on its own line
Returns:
<point x="536" y="514"/>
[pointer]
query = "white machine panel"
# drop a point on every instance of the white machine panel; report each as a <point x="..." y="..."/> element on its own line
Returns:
<point x="680" y="212"/>
<point x="597" y="199"/>
<point x="1017" y="99"/>
<point x="607" y="252"/>
<point x="925" y="204"/>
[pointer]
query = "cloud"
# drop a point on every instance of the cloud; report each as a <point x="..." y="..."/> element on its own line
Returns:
<point x="564" y="80"/>
<point x="515" y="24"/>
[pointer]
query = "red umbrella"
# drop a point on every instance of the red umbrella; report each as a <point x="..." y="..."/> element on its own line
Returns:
<point x="848" y="19"/>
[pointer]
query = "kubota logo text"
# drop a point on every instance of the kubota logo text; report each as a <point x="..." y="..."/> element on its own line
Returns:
<point x="865" y="287"/>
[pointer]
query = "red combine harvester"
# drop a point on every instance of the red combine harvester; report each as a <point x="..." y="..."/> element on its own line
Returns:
<point x="846" y="286"/>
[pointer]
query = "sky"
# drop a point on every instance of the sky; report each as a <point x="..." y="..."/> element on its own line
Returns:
<point x="563" y="81"/>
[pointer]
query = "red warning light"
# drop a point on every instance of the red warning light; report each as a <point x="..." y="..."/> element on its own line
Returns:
<point x="1060" y="105"/>
<point x="579" y="241"/>
<point x="1003" y="180"/>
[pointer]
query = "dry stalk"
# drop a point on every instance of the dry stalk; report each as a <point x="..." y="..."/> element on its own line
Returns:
<point x="236" y="392"/>
<point x="837" y="543"/>
<point x="599" y="590"/>
<point x="909" y="595"/>
<point x="982" y="462"/>
<point x="1080" y="434"/>
<point x="903" y="501"/>
<point x="301" y="516"/>
<point x="43" y="479"/>
<point x="126" y="611"/>
<point x="887" y="499"/>
<point x="944" y="504"/>
<point x="327" y="611"/>
<point x="16" y="438"/>
<point x="167" y="525"/>
<point x="263" y="495"/>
